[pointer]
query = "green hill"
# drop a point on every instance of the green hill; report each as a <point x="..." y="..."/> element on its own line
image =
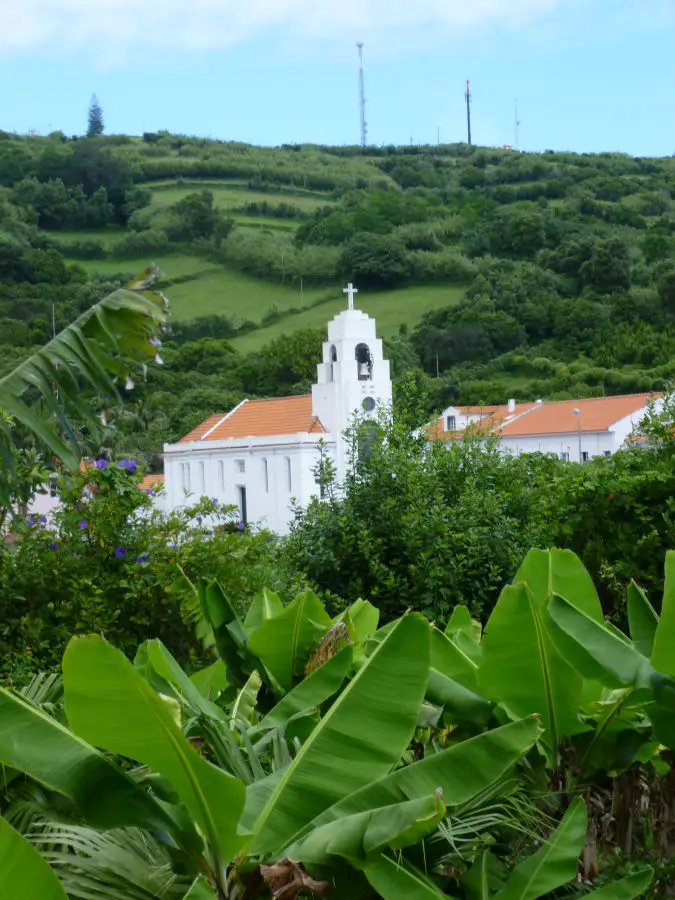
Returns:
<point x="502" y="273"/>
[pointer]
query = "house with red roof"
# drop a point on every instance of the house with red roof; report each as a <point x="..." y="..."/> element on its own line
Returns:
<point x="573" y="430"/>
<point x="262" y="455"/>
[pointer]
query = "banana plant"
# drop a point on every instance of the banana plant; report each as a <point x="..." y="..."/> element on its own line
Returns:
<point x="223" y="831"/>
<point x="95" y="350"/>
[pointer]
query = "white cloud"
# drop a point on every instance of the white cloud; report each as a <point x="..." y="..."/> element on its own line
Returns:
<point x="98" y="26"/>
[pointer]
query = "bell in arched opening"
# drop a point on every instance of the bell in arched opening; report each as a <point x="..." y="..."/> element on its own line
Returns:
<point x="364" y="362"/>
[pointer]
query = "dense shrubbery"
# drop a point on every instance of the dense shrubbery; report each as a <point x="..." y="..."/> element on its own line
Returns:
<point x="106" y="562"/>
<point x="430" y="527"/>
<point x="427" y="527"/>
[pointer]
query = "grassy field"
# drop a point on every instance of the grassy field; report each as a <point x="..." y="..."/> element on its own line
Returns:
<point x="391" y="309"/>
<point x="228" y="293"/>
<point x="174" y="265"/>
<point x="217" y="290"/>
<point x="105" y="236"/>
<point x="229" y="196"/>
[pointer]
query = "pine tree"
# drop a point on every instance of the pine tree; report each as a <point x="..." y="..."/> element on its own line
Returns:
<point x="95" y="119"/>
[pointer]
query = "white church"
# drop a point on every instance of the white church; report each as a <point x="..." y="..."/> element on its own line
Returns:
<point x="262" y="455"/>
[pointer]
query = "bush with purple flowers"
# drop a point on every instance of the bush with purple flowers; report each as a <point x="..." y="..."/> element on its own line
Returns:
<point x="107" y="562"/>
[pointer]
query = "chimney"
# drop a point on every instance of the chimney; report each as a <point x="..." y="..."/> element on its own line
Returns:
<point x="512" y="406"/>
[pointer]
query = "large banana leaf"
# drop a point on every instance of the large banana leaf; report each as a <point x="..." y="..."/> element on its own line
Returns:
<point x="284" y="642"/>
<point x="362" y="836"/>
<point x="38" y="745"/>
<point x="459" y="772"/>
<point x="554" y="864"/>
<point x="364" y="734"/>
<point x="228" y="632"/>
<point x="312" y="691"/>
<point x="594" y="650"/>
<point x="398" y="880"/>
<point x="524" y="671"/>
<point x="88" y="353"/>
<point x="158" y="666"/>
<point x="24" y="875"/>
<point x="451" y="661"/>
<point x="561" y="572"/>
<point x="663" y="657"/>
<point x="111" y="705"/>
<point x="627" y="888"/>
<point x="264" y="605"/>
<point x="459" y="703"/>
<point x="642" y="619"/>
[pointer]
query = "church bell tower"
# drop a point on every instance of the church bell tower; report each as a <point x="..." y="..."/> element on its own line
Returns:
<point x="353" y="379"/>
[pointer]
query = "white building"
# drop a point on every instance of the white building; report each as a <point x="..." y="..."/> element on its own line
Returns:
<point x="262" y="455"/>
<point x="573" y="430"/>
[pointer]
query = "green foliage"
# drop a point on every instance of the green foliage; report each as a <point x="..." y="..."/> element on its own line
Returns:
<point x="449" y="525"/>
<point x="125" y="323"/>
<point x="107" y="563"/>
<point x="419" y="810"/>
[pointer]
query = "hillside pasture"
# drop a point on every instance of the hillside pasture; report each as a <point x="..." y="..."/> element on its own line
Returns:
<point x="231" y="195"/>
<point x="391" y="309"/>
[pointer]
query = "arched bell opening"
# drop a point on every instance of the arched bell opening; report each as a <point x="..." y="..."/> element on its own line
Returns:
<point x="364" y="362"/>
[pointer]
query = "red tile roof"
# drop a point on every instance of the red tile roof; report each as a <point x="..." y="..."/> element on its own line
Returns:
<point x="493" y="416"/>
<point x="260" y="418"/>
<point x="150" y="481"/>
<point x="596" y="414"/>
<point x="558" y="417"/>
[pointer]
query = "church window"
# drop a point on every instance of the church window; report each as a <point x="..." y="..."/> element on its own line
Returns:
<point x="364" y="362"/>
<point x="241" y="465"/>
<point x="368" y="404"/>
<point x="333" y="354"/>
<point x="289" y="477"/>
<point x="185" y="474"/>
<point x="243" y="510"/>
<point x="221" y="474"/>
<point x="266" y="476"/>
<point x="452" y="423"/>
<point x="201" y="478"/>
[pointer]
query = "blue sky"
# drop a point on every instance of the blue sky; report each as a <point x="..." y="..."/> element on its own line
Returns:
<point x="589" y="75"/>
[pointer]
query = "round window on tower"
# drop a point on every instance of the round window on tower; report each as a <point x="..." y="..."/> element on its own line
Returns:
<point x="368" y="404"/>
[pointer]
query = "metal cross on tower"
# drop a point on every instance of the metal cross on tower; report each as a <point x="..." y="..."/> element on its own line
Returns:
<point x="350" y="290"/>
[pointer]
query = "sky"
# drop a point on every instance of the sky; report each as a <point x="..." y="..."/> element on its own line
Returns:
<point x="588" y="75"/>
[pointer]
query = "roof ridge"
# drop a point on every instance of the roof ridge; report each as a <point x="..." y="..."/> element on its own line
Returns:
<point x="223" y="419"/>
<point x="274" y="399"/>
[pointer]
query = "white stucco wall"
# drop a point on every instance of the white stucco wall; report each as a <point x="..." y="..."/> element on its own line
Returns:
<point x="592" y="443"/>
<point x="215" y="471"/>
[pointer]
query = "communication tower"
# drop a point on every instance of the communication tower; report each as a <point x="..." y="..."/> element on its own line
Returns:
<point x="362" y="98"/>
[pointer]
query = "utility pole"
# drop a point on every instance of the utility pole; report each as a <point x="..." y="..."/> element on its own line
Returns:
<point x="467" y="97"/>
<point x="516" y="123"/>
<point x="362" y="97"/>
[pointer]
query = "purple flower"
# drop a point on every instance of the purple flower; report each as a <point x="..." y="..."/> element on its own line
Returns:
<point x="150" y="492"/>
<point x="143" y="558"/>
<point x="43" y="520"/>
<point x="31" y="520"/>
<point x="101" y="463"/>
<point x="120" y="552"/>
<point x="83" y="524"/>
<point x="129" y="464"/>
<point x="240" y="526"/>
<point x="214" y="500"/>
<point x="54" y="546"/>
